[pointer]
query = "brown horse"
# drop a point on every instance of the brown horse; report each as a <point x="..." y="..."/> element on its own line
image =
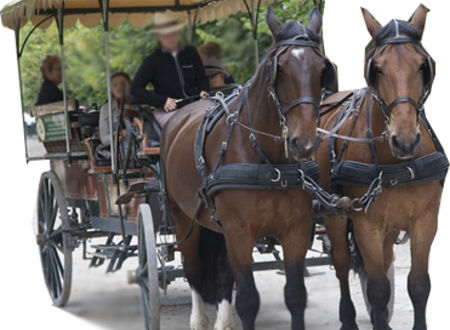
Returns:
<point x="248" y="215"/>
<point x="399" y="73"/>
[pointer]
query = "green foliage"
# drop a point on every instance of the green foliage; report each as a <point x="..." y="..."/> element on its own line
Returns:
<point x="85" y="55"/>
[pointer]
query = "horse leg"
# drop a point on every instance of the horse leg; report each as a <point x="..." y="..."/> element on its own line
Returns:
<point x="389" y="242"/>
<point x="422" y="235"/>
<point x="295" y="244"/>
<point x="337" y="232"/>
<point x="240" y="245"/>
<point x="371" y="245"/>
<point x="225" y="282"/>
<point x="224" y="320"/>
<point x="192" y="268"/>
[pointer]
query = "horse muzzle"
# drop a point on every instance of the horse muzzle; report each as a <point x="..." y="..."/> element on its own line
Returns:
<point x="404" y="147"/>
<point x="301" y="150"/>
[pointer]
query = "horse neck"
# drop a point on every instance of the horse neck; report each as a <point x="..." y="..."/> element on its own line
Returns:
<point x="264" y="118"/>
<point x="263" y="113"/>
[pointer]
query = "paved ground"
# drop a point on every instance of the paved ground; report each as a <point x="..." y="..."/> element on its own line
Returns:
<point x="108" y="301"/>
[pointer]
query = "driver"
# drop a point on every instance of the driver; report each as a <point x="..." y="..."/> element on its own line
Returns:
<point x="175" y="71"/>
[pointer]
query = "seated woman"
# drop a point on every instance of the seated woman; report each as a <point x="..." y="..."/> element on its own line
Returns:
<point x="219" y="78"/>
<point x="51" y="72"/>
<point x="120" y="88"/>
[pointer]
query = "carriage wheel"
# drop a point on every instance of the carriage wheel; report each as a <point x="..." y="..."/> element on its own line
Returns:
<point x="53" y="240"/>
<point x="147" y="272"/>
<point x="391" y="278"/>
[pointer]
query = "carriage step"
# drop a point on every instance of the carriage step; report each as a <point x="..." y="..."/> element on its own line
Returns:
<point x="101" y="255"/>
<point x="113" y="247"/>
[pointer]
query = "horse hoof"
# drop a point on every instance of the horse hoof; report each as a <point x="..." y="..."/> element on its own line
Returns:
<point x="199" y="322"/>
<point x="350" y="327"/>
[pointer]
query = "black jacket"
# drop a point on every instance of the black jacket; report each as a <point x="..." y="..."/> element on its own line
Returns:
<point x="49" y="93"/>
<point x="176" y="77"/>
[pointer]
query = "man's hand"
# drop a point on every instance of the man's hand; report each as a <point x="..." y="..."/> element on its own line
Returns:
<point x="170" y="105"/>
<point x="204" y="95"/>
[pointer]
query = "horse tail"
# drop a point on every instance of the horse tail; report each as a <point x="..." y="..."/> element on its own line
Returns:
<point x="216" y="270"/>
<point x="357" y="262"/>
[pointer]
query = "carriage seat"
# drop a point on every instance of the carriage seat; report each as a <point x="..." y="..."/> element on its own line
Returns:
<point x="151" y="125"/>
<point x="88" y="121"/>
<point x="97" y="165"/>
<point x="53" y="108"/>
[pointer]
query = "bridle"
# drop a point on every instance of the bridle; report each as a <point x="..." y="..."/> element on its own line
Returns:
<point x="383" y="43"/>
<point x="272" y="68"/>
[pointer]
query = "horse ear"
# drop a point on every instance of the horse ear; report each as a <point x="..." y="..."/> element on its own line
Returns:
<point x="371" y="23"/>
<point x="315" y="20"/>
<point x="273" y="22"/>
<point x="419" y="17"/>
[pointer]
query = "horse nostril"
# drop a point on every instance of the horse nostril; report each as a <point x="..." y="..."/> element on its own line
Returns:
<point x="296" y="143"/>
<point x="394" y="141"/>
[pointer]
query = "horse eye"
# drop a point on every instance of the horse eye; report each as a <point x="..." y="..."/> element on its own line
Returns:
<point x="422" y="67"/>
<point x="377" y="70"/>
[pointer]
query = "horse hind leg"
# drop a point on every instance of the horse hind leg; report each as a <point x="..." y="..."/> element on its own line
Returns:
<point x="337" y="232"/>
<point x="218" y="278"/>
<point x="192" y="266"/>
<point x="198" y="319"/>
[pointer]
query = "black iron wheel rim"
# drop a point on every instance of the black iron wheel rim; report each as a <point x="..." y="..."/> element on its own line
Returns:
<point x="142" y="273"/>
<point x="56" y="257"/>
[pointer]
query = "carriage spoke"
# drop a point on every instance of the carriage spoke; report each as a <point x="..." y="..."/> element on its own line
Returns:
<point x="56" y="232"/>
<point x="49" y="274"/>
<point x="58" y="262"/>
<point x="54" y="269"/>
<point x="46" y="206"/>
<point x="41" y="212"/>
<point x="53" y="216"/>
<point x="56" y="246"/>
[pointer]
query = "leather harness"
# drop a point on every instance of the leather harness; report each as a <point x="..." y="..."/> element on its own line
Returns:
<point x="265" y="175"/>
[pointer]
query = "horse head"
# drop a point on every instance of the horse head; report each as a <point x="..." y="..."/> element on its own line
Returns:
<point x="295" y="71"/>
<point x="400" y="73"/>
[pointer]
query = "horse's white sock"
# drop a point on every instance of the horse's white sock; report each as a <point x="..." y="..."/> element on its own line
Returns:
<point x="224" y="319"/>
<point x="199" y="320"/>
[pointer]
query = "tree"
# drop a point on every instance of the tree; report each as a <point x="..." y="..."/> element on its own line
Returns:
<point x="85" y="57"/>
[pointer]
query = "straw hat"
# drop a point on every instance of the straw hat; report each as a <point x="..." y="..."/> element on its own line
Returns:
<point x="166" y="23"/>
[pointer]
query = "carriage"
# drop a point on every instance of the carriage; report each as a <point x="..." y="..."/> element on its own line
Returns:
<point x="83" y="196"/>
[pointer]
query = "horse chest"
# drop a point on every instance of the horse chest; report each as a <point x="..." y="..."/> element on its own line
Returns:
<point x="398" y="208"/>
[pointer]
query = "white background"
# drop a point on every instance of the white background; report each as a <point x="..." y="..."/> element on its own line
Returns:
<point x="24" y="302"/>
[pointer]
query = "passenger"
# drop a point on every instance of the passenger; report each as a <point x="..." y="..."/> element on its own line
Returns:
<point x="211" y="55"/>
<point x="175" y="71"/>
<point x="51" y="72"/>
<point x="120" y="88"/>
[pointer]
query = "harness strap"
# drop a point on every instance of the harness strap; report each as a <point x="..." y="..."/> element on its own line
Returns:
<point x="369" y="131"/>
<point x="301" y="100"/>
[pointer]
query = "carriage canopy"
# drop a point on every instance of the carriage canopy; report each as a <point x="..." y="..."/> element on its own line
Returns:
<point x="137" y="12"/>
